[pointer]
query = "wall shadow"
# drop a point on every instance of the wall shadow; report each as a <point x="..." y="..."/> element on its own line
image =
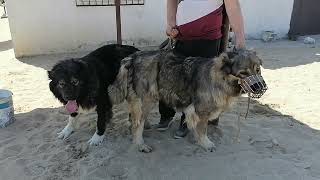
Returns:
<point x="5" y="45"/>
<point x="285" y="53"/>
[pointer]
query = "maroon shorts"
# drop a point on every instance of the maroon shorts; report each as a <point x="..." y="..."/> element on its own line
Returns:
<point x="207" y="27"/>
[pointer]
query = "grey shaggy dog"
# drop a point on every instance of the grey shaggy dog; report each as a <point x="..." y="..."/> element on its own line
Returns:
<point x="202" y="88"/>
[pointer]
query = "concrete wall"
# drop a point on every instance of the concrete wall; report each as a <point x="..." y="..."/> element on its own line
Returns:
<point x="47" y="26"/>
<point x="261" y="15"/>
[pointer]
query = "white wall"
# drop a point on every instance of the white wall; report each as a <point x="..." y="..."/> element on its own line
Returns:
<point x="261" y="15"/>
<point x="55" y="26"/>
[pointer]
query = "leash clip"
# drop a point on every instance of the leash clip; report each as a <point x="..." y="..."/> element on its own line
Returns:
<point x="172" y="43"/>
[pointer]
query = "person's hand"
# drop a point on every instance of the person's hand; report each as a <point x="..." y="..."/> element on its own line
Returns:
<point x="172" y="31"/>
<point x="240" y="44"/>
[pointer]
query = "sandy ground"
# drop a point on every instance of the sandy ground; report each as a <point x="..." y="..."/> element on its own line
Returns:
<point x="280" y="139"/>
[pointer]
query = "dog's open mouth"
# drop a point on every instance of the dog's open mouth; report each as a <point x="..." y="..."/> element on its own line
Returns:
<point x="254" y="86"/>
<point x="72" y="106"/>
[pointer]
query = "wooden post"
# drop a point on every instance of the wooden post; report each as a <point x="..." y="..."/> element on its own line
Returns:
<point x="118" y="21"/>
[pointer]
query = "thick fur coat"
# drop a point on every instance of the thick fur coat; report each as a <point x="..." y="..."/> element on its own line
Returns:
<point x="84" y="82"/>
<point x="202" y="88"/>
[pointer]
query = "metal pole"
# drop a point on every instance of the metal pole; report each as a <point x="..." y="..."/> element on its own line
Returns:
<point x="118" y="21"/>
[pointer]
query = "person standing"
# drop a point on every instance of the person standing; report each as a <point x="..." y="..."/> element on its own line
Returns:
<point x="196" y="25"/>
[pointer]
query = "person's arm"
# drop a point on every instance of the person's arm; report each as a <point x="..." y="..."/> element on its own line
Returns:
<point x="172" y="6"/>
<point x="236" y="21"/>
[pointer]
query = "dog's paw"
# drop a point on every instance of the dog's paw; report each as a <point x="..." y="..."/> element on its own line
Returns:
<point x="211" y="147"/>
<point x="144" y="148"/>
<point x="65" y="133"/>
<point x="208" y="145"/>
<point x="96" y="140"/>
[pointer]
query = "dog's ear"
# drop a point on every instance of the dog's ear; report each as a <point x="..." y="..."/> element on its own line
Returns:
<point x="260" y="61"/>
<point x="50" y="74"/>
<point x="252" y="50"/>
<point x="83" y="65"/>
<point x="124" y="51"/>
<point x="232" y="54"/>
<point x="236" y="52"/>
<point x="226" y="63"/>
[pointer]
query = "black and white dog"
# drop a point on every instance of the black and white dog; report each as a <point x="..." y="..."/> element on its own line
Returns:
<point x="81" y="85"/>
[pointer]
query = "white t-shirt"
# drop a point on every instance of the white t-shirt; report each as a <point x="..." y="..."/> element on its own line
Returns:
<point x="190" y="10"/>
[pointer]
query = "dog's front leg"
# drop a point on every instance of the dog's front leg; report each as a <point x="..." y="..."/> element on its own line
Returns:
<point x="104" y="115"/>
<point x="202" y="137"/>
<point x="199" y="124"/>
<point x="66" y="132"/>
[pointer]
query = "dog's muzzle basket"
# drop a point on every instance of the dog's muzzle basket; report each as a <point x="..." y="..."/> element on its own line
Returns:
<point x="254" y="86"/>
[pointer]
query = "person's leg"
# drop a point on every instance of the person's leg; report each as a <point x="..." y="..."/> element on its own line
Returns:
<point x="199" y="48"/>
<point x="183" y="128"/>
<point x="167" y="114"/>
<point x="202" y="48"/>
<point x="5" y="11"/>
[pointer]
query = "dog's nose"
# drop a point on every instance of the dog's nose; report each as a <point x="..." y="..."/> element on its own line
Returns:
<point x="258" y="86"/>
<point x="254" y="85"/>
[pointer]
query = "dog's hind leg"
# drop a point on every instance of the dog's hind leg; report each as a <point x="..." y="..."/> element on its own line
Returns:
<point x="147" y="125"/>
<point x="66" y="132"/>
<point x="138" y="114"/>
<point x="199" y="127"/>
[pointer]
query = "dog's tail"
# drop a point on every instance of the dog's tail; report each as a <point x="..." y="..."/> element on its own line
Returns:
<point x="119" y="89"/>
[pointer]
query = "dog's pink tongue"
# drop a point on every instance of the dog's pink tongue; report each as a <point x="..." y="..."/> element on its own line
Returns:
<point x="72" y="106"/>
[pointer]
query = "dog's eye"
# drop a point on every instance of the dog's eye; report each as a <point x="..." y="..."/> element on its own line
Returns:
<point x="258" y="70"/>
<point x="61" y="84"/>
<point x="244" y="73"/>
<point x="75" y="82"/>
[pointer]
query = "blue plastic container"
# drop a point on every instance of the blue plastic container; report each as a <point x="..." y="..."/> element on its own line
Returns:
<point x="6" y="108"/>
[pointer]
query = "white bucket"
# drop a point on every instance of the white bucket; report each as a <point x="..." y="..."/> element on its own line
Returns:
<point x="6" y="108"/>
